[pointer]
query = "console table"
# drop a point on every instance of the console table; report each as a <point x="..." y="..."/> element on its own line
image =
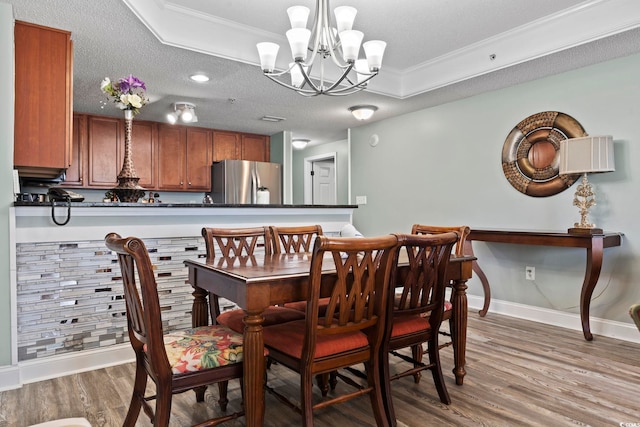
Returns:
<point x="593" y="243"/>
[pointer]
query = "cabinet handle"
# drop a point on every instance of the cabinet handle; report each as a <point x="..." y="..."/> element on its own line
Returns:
<point x="181" y="183"/>
<point x="189" y="183"/>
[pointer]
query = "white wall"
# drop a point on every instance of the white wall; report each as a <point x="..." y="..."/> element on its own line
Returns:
<point x="443" y="166"/>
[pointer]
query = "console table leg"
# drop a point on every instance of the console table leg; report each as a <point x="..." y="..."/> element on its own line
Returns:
<point x="468" y="250"/>
<point x="594" y="264"/>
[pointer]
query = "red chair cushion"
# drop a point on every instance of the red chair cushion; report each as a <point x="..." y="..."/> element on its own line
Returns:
<point x="405" y="325"/>
<point x="273" y="315"/>
<point x="302" y="305"/>
<point x="201" y="348"/>
<point x="288" y="338"/>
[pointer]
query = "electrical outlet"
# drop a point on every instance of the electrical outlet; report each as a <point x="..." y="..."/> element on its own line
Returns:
<point x="530" y="273"/>
<point x="361" y="200"/>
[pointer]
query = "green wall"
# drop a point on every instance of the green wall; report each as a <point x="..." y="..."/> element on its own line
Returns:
<point x="6" y="179"/>
<point x="443" y="165"/>
<point x="341" y="148"/>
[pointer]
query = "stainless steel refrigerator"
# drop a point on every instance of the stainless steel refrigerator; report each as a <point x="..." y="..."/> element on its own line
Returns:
<point x="239" y="181"/>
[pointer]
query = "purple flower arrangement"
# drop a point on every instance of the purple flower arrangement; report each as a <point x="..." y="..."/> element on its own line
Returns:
<point x="128" y="93"/>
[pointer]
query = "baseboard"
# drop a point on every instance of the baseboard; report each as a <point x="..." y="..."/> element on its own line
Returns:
<point x="9" y="378"/>
<point x="608" y="328"/>
<point x="58" y="366"/>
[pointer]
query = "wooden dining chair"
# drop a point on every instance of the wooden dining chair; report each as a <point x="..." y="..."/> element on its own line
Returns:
<point x="178" y="361"/>
<point x="458" y="250"/>
<point x="298" y="239"/>
<point x="418" y="311"/>
<point x="352" y="329"/>
<point x="238" y="245"/>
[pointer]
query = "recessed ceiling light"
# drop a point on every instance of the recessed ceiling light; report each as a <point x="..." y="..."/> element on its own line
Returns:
<point x="200" y="78"/>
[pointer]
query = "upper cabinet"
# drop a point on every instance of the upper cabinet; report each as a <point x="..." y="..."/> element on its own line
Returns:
<point x="105" y="141"/>
<point x="255" y="147"/>
<point x="165" y="157"/>
<point x="240" y="146"/>
<point x="226" y="146"/>
<point x="184" y="158"/>
<point x="98" y="152"/>
<point x="43" y="99"/>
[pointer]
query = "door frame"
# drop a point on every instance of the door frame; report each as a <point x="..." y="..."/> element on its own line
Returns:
<point x="308" y="184"/>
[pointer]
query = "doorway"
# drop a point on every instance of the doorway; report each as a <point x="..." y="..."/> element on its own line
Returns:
<point x="320" y="184"/>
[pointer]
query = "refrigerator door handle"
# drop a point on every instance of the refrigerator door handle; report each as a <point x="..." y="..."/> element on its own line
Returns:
<point x="254" y="186"/>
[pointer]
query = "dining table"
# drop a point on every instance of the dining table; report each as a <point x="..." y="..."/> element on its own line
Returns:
<point x="257" y="282"/>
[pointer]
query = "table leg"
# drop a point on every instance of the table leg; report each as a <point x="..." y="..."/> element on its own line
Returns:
<point x="254" y="369"/>
<point x="459" y="329"/>
<point x="199" y="309"/>
<point x="468" y="250"/>
<point x="594" y="264"/>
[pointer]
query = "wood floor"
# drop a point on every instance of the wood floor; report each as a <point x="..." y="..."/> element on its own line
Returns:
<point x="519" y="373"/>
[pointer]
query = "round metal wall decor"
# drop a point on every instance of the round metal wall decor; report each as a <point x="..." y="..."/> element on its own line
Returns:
<point x="530" y="155"/>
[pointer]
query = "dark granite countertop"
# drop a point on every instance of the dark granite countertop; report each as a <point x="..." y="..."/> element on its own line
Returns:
<point x="177" y="205"/>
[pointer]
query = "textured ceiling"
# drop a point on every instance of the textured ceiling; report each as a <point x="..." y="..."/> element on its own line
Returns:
<point x="115" y="38"/>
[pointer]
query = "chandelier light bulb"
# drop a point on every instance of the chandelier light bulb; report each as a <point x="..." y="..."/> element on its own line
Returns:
<point x="351" y="40"/>
<point x="299" y="43"/>
<point x="374" y="50"/>
<point x="298" y="16"/>
<point x="268" y="53"/>
<point x="345" y="15"/>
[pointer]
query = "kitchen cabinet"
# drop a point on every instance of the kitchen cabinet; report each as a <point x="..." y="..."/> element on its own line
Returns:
<point x="98" y="152"/>
<point x="226" y="146"/>
<point x="105" y="142"/>
<point x="143" y="140"/>
<point x="76" y="173"/>
<point x="240" y="146"/>
<point x="255" y="147"/>
<point x="43" y="99"/>
<point x="184" y="158"/>
<point x="165" y="157"/>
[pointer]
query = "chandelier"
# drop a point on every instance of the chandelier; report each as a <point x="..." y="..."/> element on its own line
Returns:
<point x="314" y="47"/>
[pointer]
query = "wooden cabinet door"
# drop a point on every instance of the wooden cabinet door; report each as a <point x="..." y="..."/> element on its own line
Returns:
<point x="255" y="147"/>
<point x="75" y="175"/>
<point x="105" y="140"/>
<point x="172" y="160"/>
<point x="43" y="97"/>
<point x="198" y="159"/>
<point x="143" y="137"/>
<point x="226" y="146"/>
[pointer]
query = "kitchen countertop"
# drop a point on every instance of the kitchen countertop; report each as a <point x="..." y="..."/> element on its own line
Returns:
<point x="174" y="205"/>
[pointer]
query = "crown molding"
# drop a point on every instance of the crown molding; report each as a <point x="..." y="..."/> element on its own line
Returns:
<point x="584" y="23"/>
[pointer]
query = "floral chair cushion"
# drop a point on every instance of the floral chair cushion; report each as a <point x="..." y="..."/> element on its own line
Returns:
<point x="204" y="347"/>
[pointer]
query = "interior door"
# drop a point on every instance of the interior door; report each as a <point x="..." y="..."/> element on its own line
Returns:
<point x="324" y="182"/>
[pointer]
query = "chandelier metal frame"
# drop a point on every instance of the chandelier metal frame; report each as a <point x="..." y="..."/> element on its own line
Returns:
<point x="325" y="42"/>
